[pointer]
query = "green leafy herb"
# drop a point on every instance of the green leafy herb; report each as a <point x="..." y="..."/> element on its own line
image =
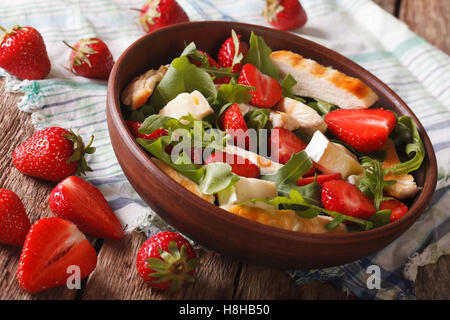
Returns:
<point x="182" y="76"/>
<point x="218" y="177"/>
<point x="257" y="118"/>
<point x="287" y="176"/>
<point x="381" y="217"/>
<point x="296" y="198"/>
<point x="234" y="93"/>
<point x="259" y="55"/>
<point x="373" y="183"/>
<point x="414" y="149"/>
<point x="322" y="107"/>
<point x="156" y="147"/>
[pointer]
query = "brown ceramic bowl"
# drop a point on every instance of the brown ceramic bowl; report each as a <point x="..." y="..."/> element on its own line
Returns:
<point x="220" y="230"/>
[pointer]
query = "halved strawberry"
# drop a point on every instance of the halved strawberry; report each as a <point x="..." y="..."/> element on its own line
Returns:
<point x="268" y="91"/>
<point x="52" y="245"/>
<point x="233" y="122"/>
<point x="79" y="201"/>
<point x="227" y="52"/>
<point x="398" y="208"/>
<point x="134" y="128"/>
<point x="283" y="143"/>
<point x="239" y="165"/>
<point x="366" y="130"/>
<point x="346" y="198"/>
<point x="321" y="178"/>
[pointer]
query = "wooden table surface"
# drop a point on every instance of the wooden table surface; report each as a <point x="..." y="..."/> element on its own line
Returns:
<point x="219" y="277"/>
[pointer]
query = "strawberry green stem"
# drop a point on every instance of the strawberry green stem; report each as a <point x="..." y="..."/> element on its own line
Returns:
<point x="3" y="29"/>
<point x="71" y="47"/>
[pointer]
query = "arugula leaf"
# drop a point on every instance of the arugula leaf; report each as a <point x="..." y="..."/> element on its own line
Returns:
<point x="381" y="217"/>
<point x="322" y="107"/>
<point x="257" y="118"/>
<point x="218" y="177"/>
<point x="258" y="55"/>
<point x="234" y="93"/>
<point x="156" y="147"/>
<point x="286" y="85"/>
<point x="373" y="183"/>
<point x="182" y="76"/>
<point x="296" y="198"/>
<point x="414" y="149"/>
<point x="287" y="176"/>
<point x="140" y="114"/>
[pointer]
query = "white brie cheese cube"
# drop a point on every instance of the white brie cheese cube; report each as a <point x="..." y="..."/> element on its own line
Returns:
<point x="248" y="189"/>
<point x="307" y="119"/>
<point x="332" y="159"/>
<point x="183" y="104"/>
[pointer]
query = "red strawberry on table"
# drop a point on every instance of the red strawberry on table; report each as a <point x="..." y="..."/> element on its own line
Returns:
<point x="346" y="198"/>
<point x="91" y="58"/>
<point x="51" y="247"/>
<point x="134" y="128"/>
<point x="227" y="53"/>
<point x="23" y="53"/>
<point x="14" y="222"/>
<point x="156" y="14"/>
<point x="366" y="130"/>
<point x="398" y="208"/>
<point x="83" y="204"/>
<point x="166" y="260"/>
<point x="268" y="91"/>
<point x="52" y="154"/>
<point x="285" y="14"/>
<point x="283" y="143"/>
<point x="320" y="179"/>
<point x="239" y="165"/>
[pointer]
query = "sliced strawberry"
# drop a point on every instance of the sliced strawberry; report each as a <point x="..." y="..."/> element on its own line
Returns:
<point x="79" y="201"/>
<point x="14" y="222"/>
<point x="227" y="52"/>
<point x="283" y="144"/>
<point x="366" y="130"/>
<point x="233" y="122"/>
<point x="346" y="198"/>
<point x="52" y="245"/>
<point x="239" y="165"/>
<point x="321" y="178"/>
<point x="397" y="207"/>
<point x="268" y="91"/>
<point x="134" y="128"/>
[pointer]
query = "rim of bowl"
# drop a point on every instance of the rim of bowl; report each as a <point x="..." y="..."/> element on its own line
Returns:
<point x="420" y="203"/>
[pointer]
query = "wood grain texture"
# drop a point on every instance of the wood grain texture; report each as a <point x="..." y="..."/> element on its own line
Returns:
<point x="15" y="127"/>
<point x="388" y="5"/>
<point x="430" y="19"/>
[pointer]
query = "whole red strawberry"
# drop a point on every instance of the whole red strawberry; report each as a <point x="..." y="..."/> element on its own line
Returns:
<point x="268" y="91"/>
<point x="156" y="14"/>
<point x="91" y="58"/>
<point x="166" y="260"/>
<point x="366" y="130"/>
<point x="14" y="223"/>
<point x="23" y="53"/>
<point x="52" y="154"/>
<point x="346" y="198"/>
<point x="82" y="203"/>
<point x="285" y="14"/>
<point x="53" y="250"/>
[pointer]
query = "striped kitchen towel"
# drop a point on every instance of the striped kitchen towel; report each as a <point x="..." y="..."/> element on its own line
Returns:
<point x="359" y="29"/>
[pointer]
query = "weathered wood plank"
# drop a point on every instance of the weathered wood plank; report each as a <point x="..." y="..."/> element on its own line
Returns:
<point x="388" y="5"/>
<point x="15" y="127"/>
<point x="116" y="277"/>
<point x="430" y="19"/>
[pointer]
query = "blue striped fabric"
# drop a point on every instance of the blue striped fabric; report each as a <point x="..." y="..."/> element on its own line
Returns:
<point x="359" y="29"/>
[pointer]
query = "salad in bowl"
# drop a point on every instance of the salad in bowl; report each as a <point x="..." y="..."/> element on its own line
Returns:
<point x="276" y="138"/>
